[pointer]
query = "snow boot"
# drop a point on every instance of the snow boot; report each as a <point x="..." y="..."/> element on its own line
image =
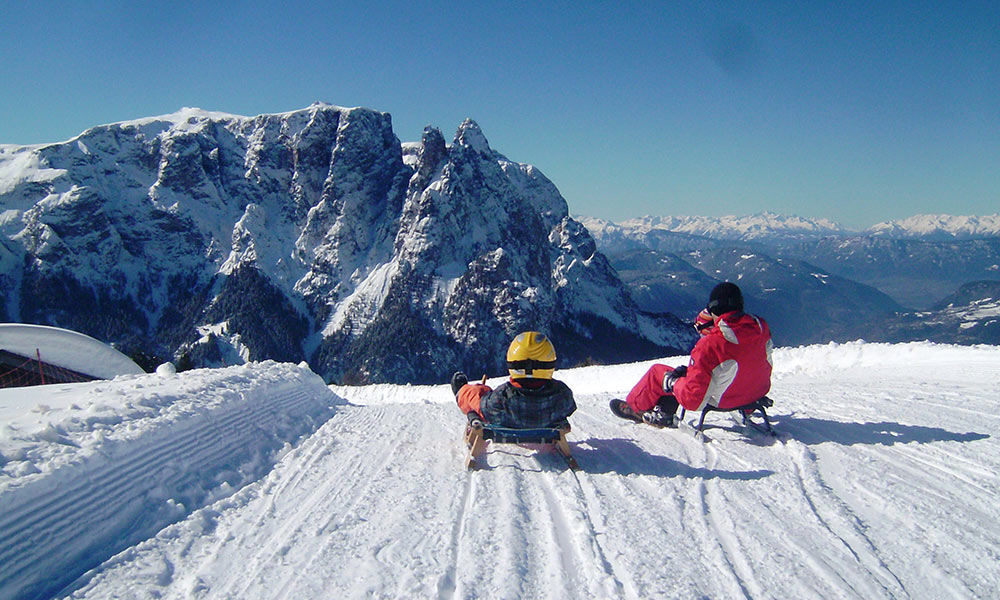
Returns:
<point x="621" y="409"/>
<point x="658" y="417"/>
<point x="458" y="380"/>
<point x="662" y="414"/>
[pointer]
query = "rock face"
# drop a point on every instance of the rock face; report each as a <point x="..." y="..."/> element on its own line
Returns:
<point x="311" y="235"/>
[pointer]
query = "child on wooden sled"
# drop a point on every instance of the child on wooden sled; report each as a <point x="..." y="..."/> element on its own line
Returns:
<point x="531" y="398"/>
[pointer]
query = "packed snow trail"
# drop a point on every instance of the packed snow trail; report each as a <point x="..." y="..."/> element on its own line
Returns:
<point x="882" y="484"/>
<point x="870" y="493"/>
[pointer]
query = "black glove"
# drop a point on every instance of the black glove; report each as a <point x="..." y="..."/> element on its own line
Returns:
<point x="676" y="374"/>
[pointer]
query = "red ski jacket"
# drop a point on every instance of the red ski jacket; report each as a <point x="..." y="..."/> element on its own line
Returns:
<point x="730" y="367"/>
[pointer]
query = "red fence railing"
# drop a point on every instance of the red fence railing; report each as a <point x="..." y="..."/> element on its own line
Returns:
<point x="21" y="371"/>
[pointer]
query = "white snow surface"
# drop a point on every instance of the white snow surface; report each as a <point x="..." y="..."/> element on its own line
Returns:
<point x="259" y="482"/>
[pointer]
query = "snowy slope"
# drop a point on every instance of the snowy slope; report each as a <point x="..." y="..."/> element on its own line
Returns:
<point x="882" y="485"/>
<point x="87" y="470"/>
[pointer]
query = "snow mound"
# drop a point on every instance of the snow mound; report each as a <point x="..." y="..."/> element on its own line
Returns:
<point x="95" y="467"/>
<point x="862" y="355"/>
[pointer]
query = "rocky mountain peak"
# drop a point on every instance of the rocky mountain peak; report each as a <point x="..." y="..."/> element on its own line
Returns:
<point x="431" y="153"/>
<point x="309" y="235"/>
<point x="470" y="136"/>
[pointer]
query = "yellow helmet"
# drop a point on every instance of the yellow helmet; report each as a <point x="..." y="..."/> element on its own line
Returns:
<point x="531" y="354"/>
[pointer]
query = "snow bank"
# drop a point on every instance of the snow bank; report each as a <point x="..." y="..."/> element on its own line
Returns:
<point x="818" y="360"/>
<point x="89" y="469"/>
<point x="860" y="354"/>
<point x="593" y="380"/>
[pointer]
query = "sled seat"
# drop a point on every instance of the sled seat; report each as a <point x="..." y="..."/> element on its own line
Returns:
<point x="478" y="433"/>
<point x="506" y="435"/>
<point x="758" y="406"/>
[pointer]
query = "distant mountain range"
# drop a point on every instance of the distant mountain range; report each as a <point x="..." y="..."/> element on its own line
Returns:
<point x="817" y="281"/>
<point x="210" y="239"/>
<point x="938" y="228"/>
<point x="775" y="229"/>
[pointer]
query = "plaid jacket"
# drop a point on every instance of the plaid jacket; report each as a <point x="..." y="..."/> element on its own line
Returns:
<point x="521" y="407"/>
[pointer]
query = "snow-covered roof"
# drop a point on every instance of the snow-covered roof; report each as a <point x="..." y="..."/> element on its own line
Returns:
<point x="66" y="349"/>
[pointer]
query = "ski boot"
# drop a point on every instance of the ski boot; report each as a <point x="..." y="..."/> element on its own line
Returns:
<point x="657" y="417"/>
<point x="621" y="409"/>
<point x="458" y="380"/>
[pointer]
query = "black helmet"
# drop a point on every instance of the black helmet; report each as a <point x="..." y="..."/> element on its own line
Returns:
<point x="725" y="297"/>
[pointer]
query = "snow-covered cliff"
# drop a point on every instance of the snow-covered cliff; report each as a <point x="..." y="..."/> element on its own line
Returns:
<point x="313" y="235"/>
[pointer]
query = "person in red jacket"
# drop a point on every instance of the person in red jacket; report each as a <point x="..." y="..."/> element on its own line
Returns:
<point x="730" y="367"/>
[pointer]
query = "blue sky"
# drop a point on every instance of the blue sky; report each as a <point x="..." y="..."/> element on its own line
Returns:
<point x="853" y="111"/>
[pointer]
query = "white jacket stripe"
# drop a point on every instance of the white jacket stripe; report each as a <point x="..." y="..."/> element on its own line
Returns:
<point x="727" y="332"/>
<point x="723" y="376"/>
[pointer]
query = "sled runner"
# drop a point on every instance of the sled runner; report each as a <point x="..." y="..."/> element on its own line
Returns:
<point x="478" y="433"/>
<point x="622" y="410"/>
<point x="745" y="412"/>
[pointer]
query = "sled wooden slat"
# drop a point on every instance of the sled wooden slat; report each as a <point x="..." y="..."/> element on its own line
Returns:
<point x="477" y="434"/>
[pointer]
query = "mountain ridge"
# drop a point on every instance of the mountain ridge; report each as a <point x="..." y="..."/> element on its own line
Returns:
<point x="213" y="238"/>
<point x="772" y="227"/>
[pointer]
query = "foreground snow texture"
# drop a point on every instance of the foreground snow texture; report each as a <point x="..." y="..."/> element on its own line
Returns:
<point x="883" y="484"/>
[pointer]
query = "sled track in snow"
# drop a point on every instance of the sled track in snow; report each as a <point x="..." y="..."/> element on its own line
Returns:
<point x="841" y="523"/>
<point x="591" y="522"/>
<point x="446" y="585"/>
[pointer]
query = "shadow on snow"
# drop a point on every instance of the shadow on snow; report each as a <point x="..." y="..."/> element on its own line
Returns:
<point x="811" y="431"/>
<point x="625" y="457"/>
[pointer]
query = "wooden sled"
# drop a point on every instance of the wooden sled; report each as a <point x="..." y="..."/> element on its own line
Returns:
<point x="478" y="433"/>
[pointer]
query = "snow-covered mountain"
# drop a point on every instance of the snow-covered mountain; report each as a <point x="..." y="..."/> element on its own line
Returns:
<point x="765" y="228"/>
<point x="939" y="227"/>
<point x="258" y="482"/>
<point x="969" y="316"/>
<point x="916" y="273"/>
<point x="803" y="303"/>
<point x="778" y="230"/>
<point x="313" y="234"/>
